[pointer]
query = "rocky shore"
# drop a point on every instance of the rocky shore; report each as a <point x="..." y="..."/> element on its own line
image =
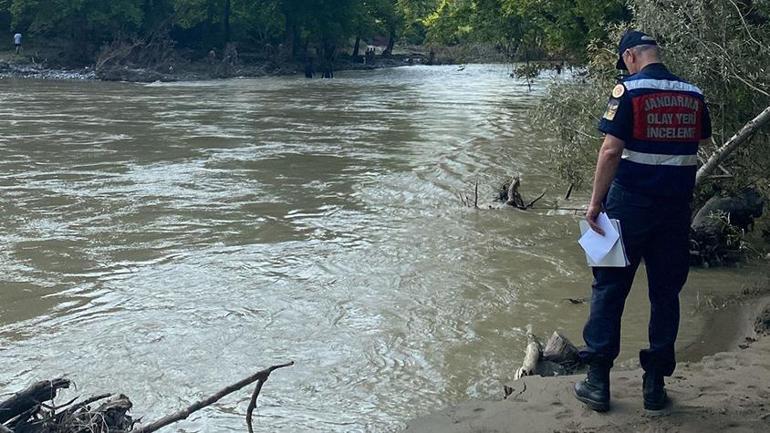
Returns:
<point x="30" y="70"/>
<point x="26" y="68"/>
<point x="724" y="392"/>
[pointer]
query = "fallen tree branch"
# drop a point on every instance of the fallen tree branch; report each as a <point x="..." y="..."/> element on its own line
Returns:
<point x="253" y="405"/>
<point x="260" y="376"/>
<point x="726" y="149"/>
<point x="514" y="196"/>
<point x="531" y="356"/>
<point x="82" y="404"/>
<point x="532" y="203"/>
<point x="569" y="191"/>
<point x="53" y="408"/>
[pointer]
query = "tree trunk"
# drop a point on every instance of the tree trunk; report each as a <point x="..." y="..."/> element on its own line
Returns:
<point x="207" y="25"/>
<point x="295" y="41"/>
<point x="227" y="21"/>
<point x="149" y="17"/>
<point x="356" y="47"/>
<point x="82" y="37"/>
<point x="391" y="43"/>
<point x="329" y="49"/>
<point x="726" y="149"/>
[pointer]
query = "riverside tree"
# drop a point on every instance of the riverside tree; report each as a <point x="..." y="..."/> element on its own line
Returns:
<point x="85" y="25"/>
<point x="523" y="28"/>
<point x="722" y="46"/>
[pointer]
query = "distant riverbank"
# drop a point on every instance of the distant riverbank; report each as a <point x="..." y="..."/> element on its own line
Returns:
<point x="179" y="65"/>
<point x="23" y="67"/>
<point x="185" y="66"/>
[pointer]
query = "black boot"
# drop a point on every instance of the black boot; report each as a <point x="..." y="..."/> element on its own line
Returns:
<point x="654" y="389"/>
<point x="594" y="391"/>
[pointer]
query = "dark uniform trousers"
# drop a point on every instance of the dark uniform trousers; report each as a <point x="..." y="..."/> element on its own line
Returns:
<point x="655" y="229"/>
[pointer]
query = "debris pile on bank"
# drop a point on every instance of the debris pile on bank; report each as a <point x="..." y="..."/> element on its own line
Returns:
<point x="718" y="228"/>
<point x="762" y="323"/>
<point x="33" y="410"/>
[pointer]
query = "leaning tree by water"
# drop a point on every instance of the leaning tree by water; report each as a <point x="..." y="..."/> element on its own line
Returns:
<point x="721" y="46"/>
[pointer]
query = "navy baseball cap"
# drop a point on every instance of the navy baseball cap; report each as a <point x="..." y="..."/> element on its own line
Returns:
<point x="630" y="39"/>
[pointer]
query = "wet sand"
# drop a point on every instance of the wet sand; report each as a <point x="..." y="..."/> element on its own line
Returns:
<point x="728" y="392"/>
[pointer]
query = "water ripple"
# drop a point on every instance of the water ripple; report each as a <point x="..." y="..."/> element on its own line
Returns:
<point x="165" y="240"/>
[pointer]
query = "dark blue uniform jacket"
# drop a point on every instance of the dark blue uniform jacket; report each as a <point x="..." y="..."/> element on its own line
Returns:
<point x="661" y="118"/>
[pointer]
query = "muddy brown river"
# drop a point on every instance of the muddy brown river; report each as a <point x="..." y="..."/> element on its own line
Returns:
<point x="166" y="240"/>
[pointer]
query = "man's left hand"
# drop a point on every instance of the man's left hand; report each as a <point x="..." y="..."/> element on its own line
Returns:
<point x="592" y="214"/>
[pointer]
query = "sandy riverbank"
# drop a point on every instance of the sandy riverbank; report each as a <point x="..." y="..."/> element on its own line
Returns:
<point x="728" y="392"/>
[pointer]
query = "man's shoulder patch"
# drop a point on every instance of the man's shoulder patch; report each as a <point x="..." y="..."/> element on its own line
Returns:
<point x="618" y="91"/>
<point x="612" y="109"/>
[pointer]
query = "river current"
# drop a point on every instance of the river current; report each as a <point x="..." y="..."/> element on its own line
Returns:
<point x="166" y="240"/>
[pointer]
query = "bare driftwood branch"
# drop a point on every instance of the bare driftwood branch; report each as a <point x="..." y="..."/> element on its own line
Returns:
<point x="569" y="191"/>
<point x="31" y="397"/>
<point x="253" y="405"/>
<point x="53" y="408"/>
<point x="726" y="149"/>
<point x="509" y="193"/>
<point x="260" y="376"/>
<point x="82" y="404"/>
<point x="532" y="203"/>
<point x="514" y="196"/>
<point x="531" y="356"/>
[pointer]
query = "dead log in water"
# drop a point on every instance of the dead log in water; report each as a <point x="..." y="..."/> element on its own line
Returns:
<point x="531" y="356"/>
<point x="27" y="400"/>
<point x="44" y="417"/>
<point x="509" y="194"/>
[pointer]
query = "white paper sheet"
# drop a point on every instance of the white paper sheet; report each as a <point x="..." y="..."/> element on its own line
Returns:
<point x="597" y="246"/>
<point x="617" y="255"/>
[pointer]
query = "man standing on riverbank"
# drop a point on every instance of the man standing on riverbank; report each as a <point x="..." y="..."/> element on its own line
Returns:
<point x="17" y="42"/>
<point x="645" y="175"/>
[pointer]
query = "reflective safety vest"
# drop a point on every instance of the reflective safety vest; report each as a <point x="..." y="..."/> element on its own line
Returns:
<point x="662" y="119"/>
